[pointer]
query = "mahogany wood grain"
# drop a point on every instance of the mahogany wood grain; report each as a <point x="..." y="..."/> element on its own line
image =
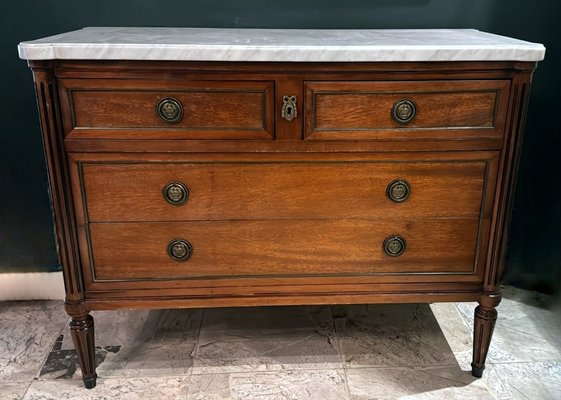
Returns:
<point x="140" y="146"/>
<point x="163" y="302"/>
<point x="282" y="190"/>
<point x="277" y="247"/>
<point x="122" y="109"/>
<point x="363" y="110"/>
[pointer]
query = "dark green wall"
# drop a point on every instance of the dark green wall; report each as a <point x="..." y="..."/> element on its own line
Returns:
<point x="26" y="238"/>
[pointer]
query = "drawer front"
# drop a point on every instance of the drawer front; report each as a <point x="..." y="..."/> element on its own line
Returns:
<point x="405" y="110"/>
<point x="282" y="190"/>
<point x="137" y="109"/>
<point x="137" y="251"/>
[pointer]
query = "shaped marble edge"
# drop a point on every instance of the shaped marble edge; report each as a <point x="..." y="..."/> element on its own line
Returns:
<point x="286" y="45"/>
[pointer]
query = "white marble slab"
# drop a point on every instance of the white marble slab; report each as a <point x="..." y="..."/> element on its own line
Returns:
<point x="292" y="45"/>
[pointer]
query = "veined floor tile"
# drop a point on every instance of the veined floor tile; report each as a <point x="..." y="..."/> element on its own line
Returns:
<point x="262" y="339"/>
<point x="132" y="344"/>
<point x="27" y="333"/>
<point x="534" y="380"/>
<point x="456" y="332"/>
<point x="277" y="385"/>
<point x="392" y="335"/>
<point x="523" y="332"/>
<point x="447" y="382"/>
<point x="13" y="390"/>
<point x="109" y="389"/>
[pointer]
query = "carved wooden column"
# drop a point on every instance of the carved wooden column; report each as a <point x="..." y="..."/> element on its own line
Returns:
<point x="484" y="324"/>
<point x="485" y="313"/>
<point x="82" y="330"/>
<point x="81" y="325"/>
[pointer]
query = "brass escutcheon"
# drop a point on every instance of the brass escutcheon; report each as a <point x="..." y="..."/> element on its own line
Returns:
<point x="289" y="110"/>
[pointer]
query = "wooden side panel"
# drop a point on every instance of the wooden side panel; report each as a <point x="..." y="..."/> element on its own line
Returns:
<point x="60" y="188"/>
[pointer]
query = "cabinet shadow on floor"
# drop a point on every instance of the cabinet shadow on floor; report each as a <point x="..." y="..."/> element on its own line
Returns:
<point x="400" y="345"/>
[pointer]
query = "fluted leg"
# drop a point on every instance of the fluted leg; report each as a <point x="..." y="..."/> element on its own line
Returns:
<point x="82" y="331"/>
<point x="485" y="317"/>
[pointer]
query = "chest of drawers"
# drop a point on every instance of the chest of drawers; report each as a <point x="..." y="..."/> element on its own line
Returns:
<point x="342" y="174"/>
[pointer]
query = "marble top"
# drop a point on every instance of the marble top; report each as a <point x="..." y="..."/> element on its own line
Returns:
<point x="292" y="45"/>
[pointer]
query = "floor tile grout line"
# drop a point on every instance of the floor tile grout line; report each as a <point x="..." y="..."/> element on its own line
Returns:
<point x="50" y="348"/>
<point x="462" y="317"/>
<point x="26" y="390"/>
<point x="341" y="356"/>
<point x="557" y="360"/>
<point x="197" y="340"/>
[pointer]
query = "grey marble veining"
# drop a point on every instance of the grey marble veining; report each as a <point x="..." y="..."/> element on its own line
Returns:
<point x="456" y="332"/>
<point x="277" y="385"/>
<point x="27" y="333"/>
<point x="416" y="383"/>
<point x="525" y="330"/>
<point x="261" y="339"/>
<point x="538" y="380"/>
<point x="285" y="353"/>
<point x="392" y="335"/>
<point x="110" y="389"/>
<point x="292" y="45"/>
<point x="13" y="390"/>
<point x="133" y="344"/>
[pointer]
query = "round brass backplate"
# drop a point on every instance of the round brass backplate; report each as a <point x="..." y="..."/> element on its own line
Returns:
<point x="394" y="246"/>
<point x="169" y="110"/>
<point x="403" y="111"/>
<point x="175" y="193"/>
<point x="398" y="190"/>
<point x="180" y="249"/>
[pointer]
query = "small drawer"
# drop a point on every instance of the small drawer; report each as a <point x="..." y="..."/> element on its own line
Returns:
<point x="167" y="109"/>
<point x="218" y="249"/>
<point x="182" y="191"/>
<point x="405" y="110"/>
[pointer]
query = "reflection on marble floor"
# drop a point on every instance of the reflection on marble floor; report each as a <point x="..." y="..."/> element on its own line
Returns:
<point x="359" y="352"/>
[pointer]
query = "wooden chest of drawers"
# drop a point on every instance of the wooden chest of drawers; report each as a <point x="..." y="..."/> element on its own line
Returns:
<point x="210" y="184"/>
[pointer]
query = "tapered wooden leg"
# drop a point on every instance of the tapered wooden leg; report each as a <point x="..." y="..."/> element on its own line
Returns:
<point x="485" y="317"/>
<point x="82" y="331"/>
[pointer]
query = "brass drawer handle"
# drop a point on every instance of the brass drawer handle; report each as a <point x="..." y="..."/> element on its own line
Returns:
<point x="394" y="246"/>
<point x="169" y="110"/>
<point x="398" y="190"/>
<point x="289" y="109"/>
<point x="404" y="111"/>
<point x="175" y="193"/>
<point x="180" y="250"/>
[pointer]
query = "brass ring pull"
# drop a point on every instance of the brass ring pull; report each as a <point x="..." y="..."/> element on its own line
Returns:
<point x="175" y="193"/>
<point x="394" y="246"/>
<point x="180" y="250"/>
<point x="398" y="190"/>
<point x="289" y="109"/>
<point x="169" y="110"/>
<point x="404" y="111"/>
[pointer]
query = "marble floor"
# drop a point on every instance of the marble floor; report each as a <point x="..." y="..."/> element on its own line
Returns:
<point x="408" y="351"/>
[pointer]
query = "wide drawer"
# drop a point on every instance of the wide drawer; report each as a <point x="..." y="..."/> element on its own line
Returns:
<point x="167" y="109"/>
<point x="136" y="251"/>
<point x="405" y="110"/>
<point x="134" y="191"/>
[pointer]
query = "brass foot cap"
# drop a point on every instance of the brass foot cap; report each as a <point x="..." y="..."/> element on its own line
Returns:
<point x="477" y="372"/>
<point x="90" y="383"/>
